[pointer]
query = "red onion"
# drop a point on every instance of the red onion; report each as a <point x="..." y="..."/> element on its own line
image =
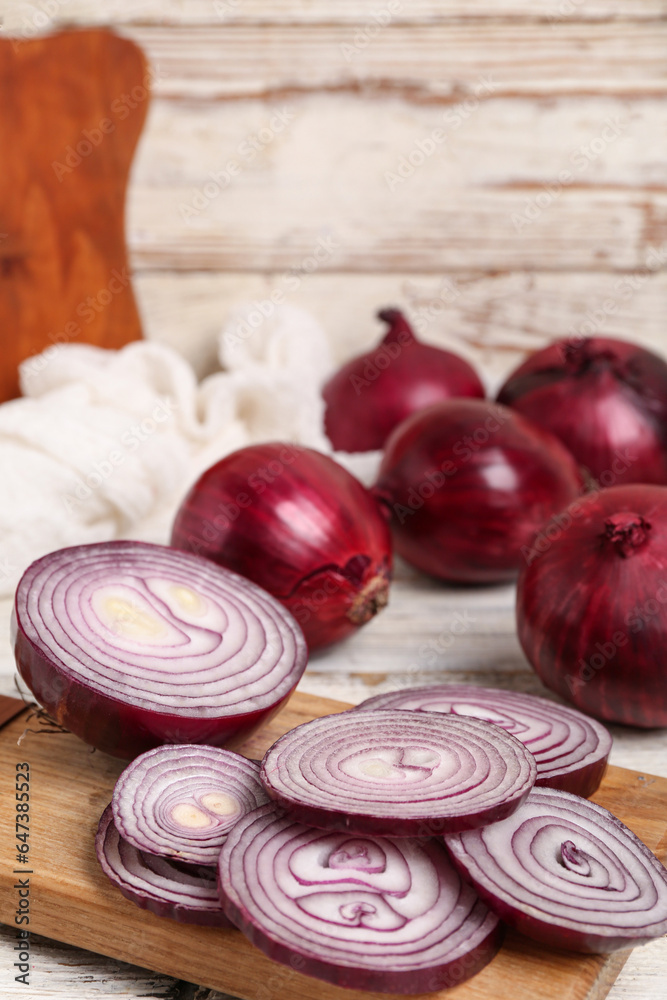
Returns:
<point x="299" y="525"/>
<point x="592" y="604"/>
<point x="188" y="894"/>
<point x="570" y="749"/>
<point x="468" y="483"/>
<point x="398" y="774"/>
<point x="565" y="872"/>
<point x="130" y="645"/>
<point x="368" y="914"/>
<point x="181" y="801"/>
<point x="374" y="392"/>
<point x="605" y="399"/>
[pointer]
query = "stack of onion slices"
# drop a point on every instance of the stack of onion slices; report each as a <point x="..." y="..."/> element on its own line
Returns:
<point x="399" y="774"/>
<point x="564" y="871"/>
<point x="570" y="749"/>
<point x="172" y="809"/>
<point x="187" y="893"/>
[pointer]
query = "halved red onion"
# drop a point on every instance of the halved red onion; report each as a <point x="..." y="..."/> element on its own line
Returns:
<point x="130" y="645"/>
<point x="398" y="774"/>
<point x="564" y="871"/>
<point x="188" y="894"/>
<point x="569" y="748"/>
<point x="365" y="913"/>
<point x="181" y="801"/>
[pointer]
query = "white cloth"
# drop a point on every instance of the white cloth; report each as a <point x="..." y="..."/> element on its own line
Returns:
<point x="105" y="444"/>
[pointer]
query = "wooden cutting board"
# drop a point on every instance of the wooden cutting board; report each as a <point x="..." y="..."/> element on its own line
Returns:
<point x="72" y="107"/>
<point x="71" y="900"/>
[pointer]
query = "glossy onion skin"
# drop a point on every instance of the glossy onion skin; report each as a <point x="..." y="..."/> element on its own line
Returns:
<point x="570" y="749"/>
<point x="592" y="621"/>
<point x="114" y="722"/>
<point x="301" y="526"/>
<point x="594" y="905"/>
<point x="605" y="399"/>
<point x="431" y="946"/>
<point x="468" y="483"/>
<point x="374" y="392"/>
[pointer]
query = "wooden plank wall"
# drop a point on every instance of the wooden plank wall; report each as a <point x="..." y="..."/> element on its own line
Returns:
<point x="497" y="167"/>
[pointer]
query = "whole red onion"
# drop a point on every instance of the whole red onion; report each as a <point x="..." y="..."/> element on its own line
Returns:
<point x="301" y="524"/>
<point x="605" y="399"/>
<point x="592" y="604"/>
<point x="468" y="484"/>
<point x="374" y="392"/>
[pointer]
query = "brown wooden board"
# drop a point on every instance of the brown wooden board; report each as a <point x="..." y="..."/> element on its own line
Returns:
<point x="72" y="106"/>
<point x="71" y="900"/>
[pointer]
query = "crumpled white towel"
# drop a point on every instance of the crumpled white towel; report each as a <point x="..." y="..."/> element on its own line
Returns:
<point x="105" y="444"/>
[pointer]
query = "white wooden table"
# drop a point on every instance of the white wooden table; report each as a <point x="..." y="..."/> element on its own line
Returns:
<point x="481" y="241"/>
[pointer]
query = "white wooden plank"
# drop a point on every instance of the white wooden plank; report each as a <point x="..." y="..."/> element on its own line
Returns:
<point x="493" y="319"/>
<point x="506" y="183"/>
<point x="437" y="62"/>
<point x="199" y="12"/>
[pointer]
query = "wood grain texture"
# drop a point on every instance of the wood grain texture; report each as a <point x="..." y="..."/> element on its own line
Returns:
<point x="437" y="63"/>
<point x="67" y="142"/>
<point x="70" y="787"/>
<point x="356" y="12"/>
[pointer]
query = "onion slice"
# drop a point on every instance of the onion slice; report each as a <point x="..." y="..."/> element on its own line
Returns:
<point x="185" y="893"/>
<point x="130" y="645"/>
<point x="399" y="774"/>
<point x="365" y="913"/>
<point x="570" y="749"/>
<point x="564" y="871"/>
<point x="182" y="801"/>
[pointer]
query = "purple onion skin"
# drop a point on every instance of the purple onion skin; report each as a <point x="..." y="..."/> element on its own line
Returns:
<point x="120" y="729"/>
<point x="374" y="392"/>
<point x="592" y="607"/>
<point x="468" y="483"/>
<point x="605" y="399"/>
<point x="328" y="562"/>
